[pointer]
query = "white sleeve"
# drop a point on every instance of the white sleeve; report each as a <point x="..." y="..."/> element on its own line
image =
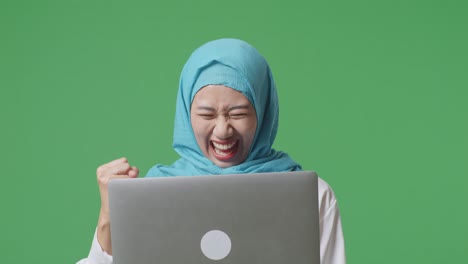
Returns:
<point x="96" y="254"/>
<point x="332" y="250"/>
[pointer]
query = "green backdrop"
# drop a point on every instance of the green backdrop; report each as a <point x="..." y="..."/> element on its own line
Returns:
<point x="373" y="96"/>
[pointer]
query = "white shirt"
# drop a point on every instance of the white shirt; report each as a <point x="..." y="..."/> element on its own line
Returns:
<point x="332" y="250"/>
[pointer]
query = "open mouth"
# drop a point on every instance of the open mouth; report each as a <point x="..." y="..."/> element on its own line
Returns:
<point x="224" y="150"/>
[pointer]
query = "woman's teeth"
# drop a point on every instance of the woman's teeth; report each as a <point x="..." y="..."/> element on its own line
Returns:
<point x="223" y="153"/>
<point x="223" y="147"/>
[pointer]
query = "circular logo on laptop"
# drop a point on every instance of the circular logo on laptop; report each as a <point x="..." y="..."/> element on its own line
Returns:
<point x="215" y="245"/>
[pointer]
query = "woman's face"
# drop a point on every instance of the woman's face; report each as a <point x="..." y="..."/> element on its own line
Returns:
<point x="224" y="124"/>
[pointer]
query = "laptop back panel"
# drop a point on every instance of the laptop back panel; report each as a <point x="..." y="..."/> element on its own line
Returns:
<point x="261" y="218"/>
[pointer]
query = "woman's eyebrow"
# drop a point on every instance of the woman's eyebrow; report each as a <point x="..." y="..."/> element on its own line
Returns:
<point x="207" y="108"/>
<point x="246" y="106"/>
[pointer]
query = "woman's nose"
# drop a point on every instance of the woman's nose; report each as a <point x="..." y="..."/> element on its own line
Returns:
<point x="223" y="128"/>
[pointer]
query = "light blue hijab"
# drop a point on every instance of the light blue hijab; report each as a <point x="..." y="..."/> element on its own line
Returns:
<point x="235" y="64"/>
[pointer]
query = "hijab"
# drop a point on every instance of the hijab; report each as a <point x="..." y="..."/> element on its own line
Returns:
<point x="235" y="64"/>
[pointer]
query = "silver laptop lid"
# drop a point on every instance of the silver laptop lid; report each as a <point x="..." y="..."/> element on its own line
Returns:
<point x="247" y="218"/>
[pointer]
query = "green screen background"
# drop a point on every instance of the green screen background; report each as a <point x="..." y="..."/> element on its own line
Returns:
<point x="373" y="97"/>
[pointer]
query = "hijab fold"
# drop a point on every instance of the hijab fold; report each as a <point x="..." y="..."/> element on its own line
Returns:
<point x="235" y="64"/>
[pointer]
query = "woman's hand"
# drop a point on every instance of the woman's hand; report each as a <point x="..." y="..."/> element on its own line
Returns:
<point x="116" y="169"/>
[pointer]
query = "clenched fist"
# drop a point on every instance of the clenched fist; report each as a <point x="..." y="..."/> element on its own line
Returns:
<point x="116" y="169"/>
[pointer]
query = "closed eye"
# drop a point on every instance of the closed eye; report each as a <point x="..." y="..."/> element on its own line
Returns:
<point x="207" y="116"/>
<point x="238" y="115"/>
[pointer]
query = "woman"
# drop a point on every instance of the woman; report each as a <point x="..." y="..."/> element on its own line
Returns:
<point x="226" y="122"/>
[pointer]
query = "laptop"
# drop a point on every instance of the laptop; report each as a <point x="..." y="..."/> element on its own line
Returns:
<point x="243" y="219"/>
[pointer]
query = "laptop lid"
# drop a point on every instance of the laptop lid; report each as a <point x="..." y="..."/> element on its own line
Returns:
<point x="247" y="218"/>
